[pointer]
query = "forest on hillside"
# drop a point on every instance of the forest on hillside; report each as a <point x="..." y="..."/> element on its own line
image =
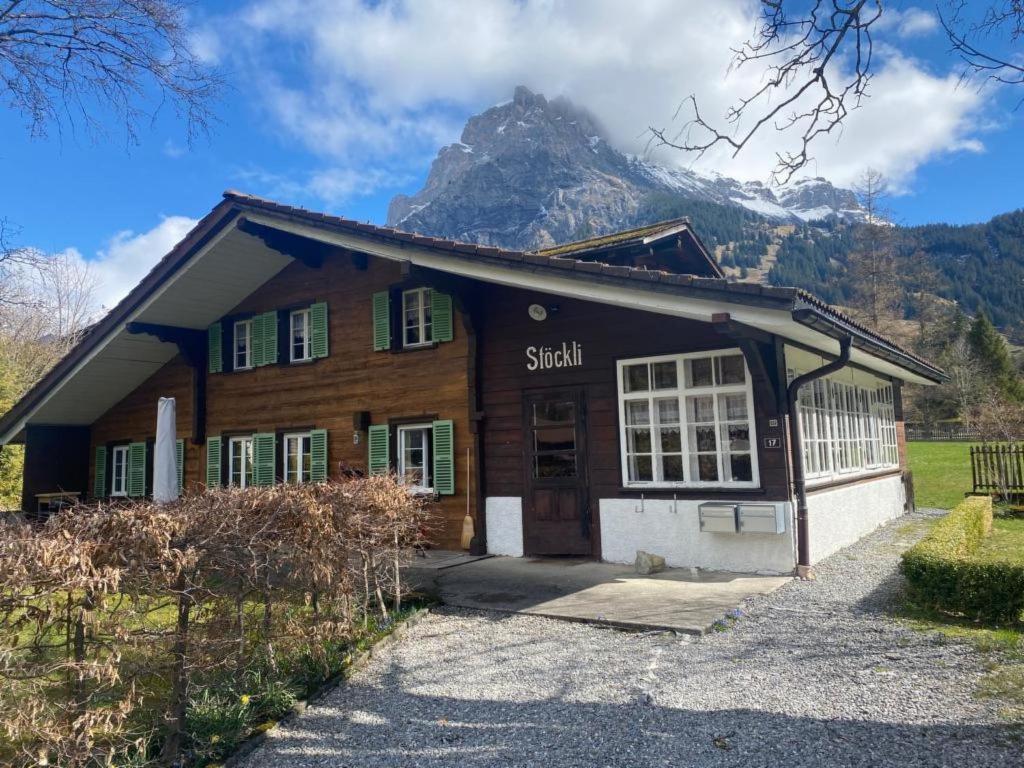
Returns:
<point x="979" y="267"/>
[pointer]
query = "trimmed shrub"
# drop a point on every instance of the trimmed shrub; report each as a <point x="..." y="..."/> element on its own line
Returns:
<point x="948" y="570"/>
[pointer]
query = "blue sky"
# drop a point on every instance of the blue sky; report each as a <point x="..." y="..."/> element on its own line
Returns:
<point x="340" y="105"/>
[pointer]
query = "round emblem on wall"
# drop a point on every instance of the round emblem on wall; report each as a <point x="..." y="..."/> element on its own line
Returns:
<point x="538" y="313"/>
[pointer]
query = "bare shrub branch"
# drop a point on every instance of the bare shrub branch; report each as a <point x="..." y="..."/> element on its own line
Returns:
<point x="120" y="625"/>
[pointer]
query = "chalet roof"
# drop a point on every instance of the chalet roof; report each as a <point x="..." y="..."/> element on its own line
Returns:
<point x="638" y="235"/>
<point x="558" y="257"/>
<point x="200" y="280"/>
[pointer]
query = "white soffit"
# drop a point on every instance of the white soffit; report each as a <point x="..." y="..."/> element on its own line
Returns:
<point x="215" y="280"/>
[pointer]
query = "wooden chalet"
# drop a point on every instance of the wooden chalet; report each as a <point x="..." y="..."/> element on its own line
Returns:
<point x="594" y="399"/>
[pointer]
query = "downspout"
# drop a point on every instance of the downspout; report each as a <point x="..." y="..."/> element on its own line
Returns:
<point x="803" y="544"/>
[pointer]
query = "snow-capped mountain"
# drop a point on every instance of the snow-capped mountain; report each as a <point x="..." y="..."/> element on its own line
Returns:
<point x="530" y="173"/>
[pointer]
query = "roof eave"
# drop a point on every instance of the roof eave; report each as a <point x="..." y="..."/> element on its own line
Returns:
<point x="836" y="328"/>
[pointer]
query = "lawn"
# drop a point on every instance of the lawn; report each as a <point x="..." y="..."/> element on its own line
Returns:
<point x="1006" y="541"/>
<point x="942" y="472"/>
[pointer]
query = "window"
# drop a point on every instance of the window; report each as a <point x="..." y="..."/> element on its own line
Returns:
<point x="119" y="471"/>
<point x="240" y="462"/>
<point x="417" y="325"/>
<point x="301" y="348"/>
<point x="553" y="428"/>
<point x="243" y="345"/>
<point x="414" y="456"/>
<point x="686" y="420"/>
<point x="846" y="428"/>
<point x="298" y="457"/>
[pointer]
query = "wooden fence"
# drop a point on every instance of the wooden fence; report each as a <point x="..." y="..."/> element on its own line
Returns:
<point x="998" y="469"/>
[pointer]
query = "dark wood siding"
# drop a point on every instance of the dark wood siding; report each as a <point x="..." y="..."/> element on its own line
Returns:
<point x="607" y="334"/>
<point x="323" y="393"/>
<point x="55" y="460"/>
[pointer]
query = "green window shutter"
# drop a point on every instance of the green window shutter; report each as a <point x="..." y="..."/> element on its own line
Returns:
<point x="381" y="321"/>
<point x="268" y="340"/>
<point x="441" y="316"/>
<point x="179" y="460"/>
<point x="379" y="449"/>
<point x="212" y="462"/>
<point x="256" y="341"/>
<point x="444" y="457"/>
<point x="318" y="455"/>
<point x="99" y="486"/>
<point x="263" y="458"/>
<point x="214" y="344"/>
<point x="318" y="329"/>
<point x="137" y="470"/>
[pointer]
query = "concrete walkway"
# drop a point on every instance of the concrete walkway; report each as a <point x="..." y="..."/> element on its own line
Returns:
<point x="582" y="590"/>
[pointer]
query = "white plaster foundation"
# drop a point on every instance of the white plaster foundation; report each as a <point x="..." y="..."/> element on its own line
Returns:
<point x="653" y="526"/>
<point x="504" y="516"/>
<point x="839" y="517"/>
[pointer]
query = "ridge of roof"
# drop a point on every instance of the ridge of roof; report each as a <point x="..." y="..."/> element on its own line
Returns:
<point x="615" y="238"/>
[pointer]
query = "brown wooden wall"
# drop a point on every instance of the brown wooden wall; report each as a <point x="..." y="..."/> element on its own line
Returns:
<point x="430" y="382"/>
<point x="607" y="334"/>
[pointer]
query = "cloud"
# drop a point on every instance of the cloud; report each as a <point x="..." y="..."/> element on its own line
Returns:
<point x="912" y="22"/>
<point x="331" y="185"/>
<point x="384" y="84"/>
<point x="128" y="256"/>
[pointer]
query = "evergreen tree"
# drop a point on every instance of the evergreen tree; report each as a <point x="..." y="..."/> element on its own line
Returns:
<point x="993" y="357"/>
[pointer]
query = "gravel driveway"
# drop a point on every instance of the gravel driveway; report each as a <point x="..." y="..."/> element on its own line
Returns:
<point x="814" y="675"/>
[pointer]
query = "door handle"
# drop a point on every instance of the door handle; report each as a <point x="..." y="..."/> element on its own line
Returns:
<point x="585" y="521"/>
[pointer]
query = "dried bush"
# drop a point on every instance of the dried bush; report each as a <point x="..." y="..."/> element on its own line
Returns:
<point x="114" y="618"/>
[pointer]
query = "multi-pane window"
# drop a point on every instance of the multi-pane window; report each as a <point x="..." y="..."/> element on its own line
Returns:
<point x="299" y="334"/>
<point x="243" y="345"/>
<point x="240" y="461"/>
<point x="687" y="420"/>
<point x="846" y="428"/>
<point x="414" y="455"/>
<point x="417" y="326"/>
<point x="119" y="471"/>
<point x="298" y="457"/>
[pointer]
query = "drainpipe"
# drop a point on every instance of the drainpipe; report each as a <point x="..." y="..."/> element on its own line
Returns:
<point x="803" y="544"/>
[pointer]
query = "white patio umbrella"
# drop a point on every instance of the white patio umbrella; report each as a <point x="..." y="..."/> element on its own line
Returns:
<point x="165" y="464"/>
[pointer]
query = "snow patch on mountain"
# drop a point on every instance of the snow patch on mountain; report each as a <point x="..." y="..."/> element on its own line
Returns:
<point x="532" y="172"/>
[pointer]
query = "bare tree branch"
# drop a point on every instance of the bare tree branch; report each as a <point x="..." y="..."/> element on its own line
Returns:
<point x="61" y="61"/>
<point x="800" y="54"/>
<point x="818" y="67"/>
<point x="1007" y="16"/>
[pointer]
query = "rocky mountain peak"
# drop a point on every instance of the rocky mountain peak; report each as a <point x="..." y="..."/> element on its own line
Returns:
<point x="532" y="172"/>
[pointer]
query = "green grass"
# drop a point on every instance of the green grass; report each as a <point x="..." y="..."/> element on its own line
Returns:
<point x="942" y="472"/>
<point x="1006" y="541"/>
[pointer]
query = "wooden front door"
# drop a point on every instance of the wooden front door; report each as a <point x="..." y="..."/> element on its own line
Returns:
<point x="557" y="513"/>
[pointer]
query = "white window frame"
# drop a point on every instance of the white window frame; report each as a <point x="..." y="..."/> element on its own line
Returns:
<point x="847" y="428"/>
<point x="246" y="325"/>
<point x="307" y="342"/>
<point x="402" y="430"/>
<point x="246" y="444"/>
<point x="119" y="450"/>
<point x="682" y="392"/>
<point x="305" y="474"/>
<point x="425" y="330"/>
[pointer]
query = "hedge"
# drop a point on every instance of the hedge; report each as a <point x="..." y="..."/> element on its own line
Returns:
<point x="949" y="570"/>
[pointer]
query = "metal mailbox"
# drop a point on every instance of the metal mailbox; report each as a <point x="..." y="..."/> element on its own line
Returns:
<point x="717" y="518"/>
<point x="761" y="518"/>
